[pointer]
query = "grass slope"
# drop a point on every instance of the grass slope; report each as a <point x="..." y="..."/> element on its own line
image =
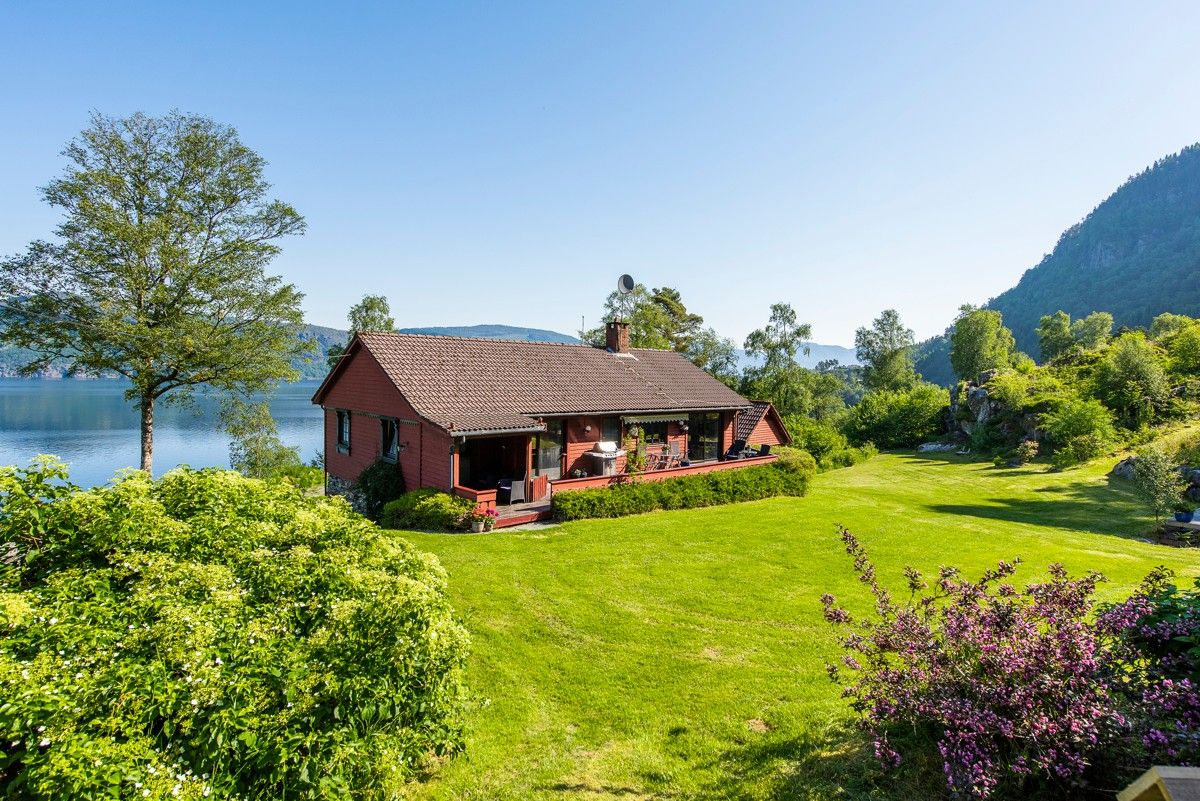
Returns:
<point x="681" y="654"/>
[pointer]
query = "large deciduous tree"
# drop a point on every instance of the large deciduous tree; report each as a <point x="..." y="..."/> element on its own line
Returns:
<point x="1054" y="335"/>
<point x="885" y="351"/>
<point x="157" y="271"/>
<point x="979" y="341"/>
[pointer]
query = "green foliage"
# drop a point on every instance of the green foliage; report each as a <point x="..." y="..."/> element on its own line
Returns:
<point x="1131" y="380"/>
<point x="792" y="388"/>
<point x="885" y="351"/>
<point x="897" y="419"/>
<point x="426" y="510"/>
<point x="302" y="476"/>
<point x="979" y="341"/>
<point x="716" y="355"/>
<point x="1054" y="335"/>
<point x="372" y="313"/>
<point x="795" y="459"/>
<point x="1076" y="417"/>
<point x="658" y="318"/>
<point x="255" y="449"/>
<point x="1093" y="331"/>
<point x="786" y="477"/>
<point x="848" y="457"/>
<point x="210" y="635"/>
<point x="1080" y="430"/>
<point x="796" y="390"/>
<point x="818" y="438"/>
<point x="1166" y="324"/>
<point x="1080" y="449"/>
<point x="1027" y="451"/>
<point x="780" y="341"/>
<point x="380" y="483"/>
<point x="827" y="445"/>
<point x="1059" y="337"/>
<point x="1183" y="347"/>
<point x="1157" y="482"/>
<point x="157" y="273"/>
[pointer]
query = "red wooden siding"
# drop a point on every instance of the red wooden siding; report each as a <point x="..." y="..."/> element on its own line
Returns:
<point x="767" y="432"/>
<point x="366" y="392"/>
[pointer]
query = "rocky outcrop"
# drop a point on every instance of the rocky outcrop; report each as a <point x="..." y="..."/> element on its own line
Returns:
<point x="1124" y="469"/>
<point x="973" y="407"/>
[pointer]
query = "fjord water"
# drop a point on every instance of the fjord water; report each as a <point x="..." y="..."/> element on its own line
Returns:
<point x="91" y="426"/>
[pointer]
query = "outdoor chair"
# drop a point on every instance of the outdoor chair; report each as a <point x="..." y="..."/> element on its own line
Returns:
<point x="764" y="449"/>
<point x="515" y="487"/>
<point x="736" y="451"/>
<point x="676" y="456"/>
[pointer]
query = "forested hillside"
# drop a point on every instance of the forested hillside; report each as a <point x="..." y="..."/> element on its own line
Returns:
<point x="1136" y="255"/>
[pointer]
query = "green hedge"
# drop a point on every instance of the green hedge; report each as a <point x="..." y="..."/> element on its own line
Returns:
<point x="427" y="510"/>
<point x="707" y="489"/>
<point x="212" y="636"/>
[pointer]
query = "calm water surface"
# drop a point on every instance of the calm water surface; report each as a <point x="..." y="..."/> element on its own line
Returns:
<point x="91" y="426"/>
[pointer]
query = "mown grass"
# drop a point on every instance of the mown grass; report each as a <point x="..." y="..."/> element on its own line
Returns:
<point x="681" y="654"/>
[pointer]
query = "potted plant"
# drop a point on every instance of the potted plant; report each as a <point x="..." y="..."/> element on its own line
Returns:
<point x="483" y="520"/>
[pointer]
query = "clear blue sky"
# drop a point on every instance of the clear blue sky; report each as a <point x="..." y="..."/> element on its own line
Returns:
<point x="505" y="162"/>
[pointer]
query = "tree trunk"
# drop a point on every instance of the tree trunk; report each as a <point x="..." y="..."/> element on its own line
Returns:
<point x="147" y="409"/>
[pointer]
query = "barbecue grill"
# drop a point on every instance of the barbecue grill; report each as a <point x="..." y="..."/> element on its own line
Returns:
<point x="605" y="454"/>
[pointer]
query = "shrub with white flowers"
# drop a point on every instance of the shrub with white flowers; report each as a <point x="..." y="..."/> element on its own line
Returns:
<point x="208" y="635"/>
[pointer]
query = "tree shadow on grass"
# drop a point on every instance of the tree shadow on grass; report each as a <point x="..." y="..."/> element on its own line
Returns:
<point x="836" y="763"/>
<point x="1080" y="506"/>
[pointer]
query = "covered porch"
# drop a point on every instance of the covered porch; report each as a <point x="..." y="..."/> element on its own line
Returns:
<point x="556" y="456"/>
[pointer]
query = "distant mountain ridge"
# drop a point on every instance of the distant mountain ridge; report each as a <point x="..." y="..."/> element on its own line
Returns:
<point x="1136" y="255"/>
<point x="314" y="366"/>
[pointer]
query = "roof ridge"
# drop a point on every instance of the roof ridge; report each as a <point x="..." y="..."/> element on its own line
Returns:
<point x="480" y="339"/>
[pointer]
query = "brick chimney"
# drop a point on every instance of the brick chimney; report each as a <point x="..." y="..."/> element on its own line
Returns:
<point x="616" y="336"/>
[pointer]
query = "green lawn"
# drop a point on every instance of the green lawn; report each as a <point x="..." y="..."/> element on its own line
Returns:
<point x="681" y="654"/>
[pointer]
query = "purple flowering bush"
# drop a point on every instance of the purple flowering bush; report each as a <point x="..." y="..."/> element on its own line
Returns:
<point x="1156" y="634"/>
<point x="1020" y="692"/>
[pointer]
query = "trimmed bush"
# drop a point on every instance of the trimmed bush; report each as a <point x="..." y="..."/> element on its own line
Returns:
<point x="210" y="635"/>
<point x="786" y="477"/>
<point x="381" y="482"/>
<point x="427" y="510"/>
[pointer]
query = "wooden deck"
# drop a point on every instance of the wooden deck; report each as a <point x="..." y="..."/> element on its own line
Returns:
<point x="518" y="514"/>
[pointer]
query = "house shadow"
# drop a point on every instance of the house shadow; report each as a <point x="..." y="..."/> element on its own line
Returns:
<point x="837" y="763"/>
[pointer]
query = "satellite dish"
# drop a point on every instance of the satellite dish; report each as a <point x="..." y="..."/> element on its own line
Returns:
<point x="625" y="284"/>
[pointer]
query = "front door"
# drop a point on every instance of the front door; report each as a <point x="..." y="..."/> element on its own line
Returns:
<point x="548" y="449"/>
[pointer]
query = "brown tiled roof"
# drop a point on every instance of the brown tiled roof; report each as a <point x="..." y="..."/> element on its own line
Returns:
<point x="748" y="419"/>
<point x="751" y="417"/>
<point x="474" y="385"/>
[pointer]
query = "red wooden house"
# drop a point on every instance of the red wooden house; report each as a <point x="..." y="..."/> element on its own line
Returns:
<point x="464" y="415"/>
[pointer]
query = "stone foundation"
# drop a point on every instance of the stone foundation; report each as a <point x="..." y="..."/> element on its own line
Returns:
<point x="345" y="488"/>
